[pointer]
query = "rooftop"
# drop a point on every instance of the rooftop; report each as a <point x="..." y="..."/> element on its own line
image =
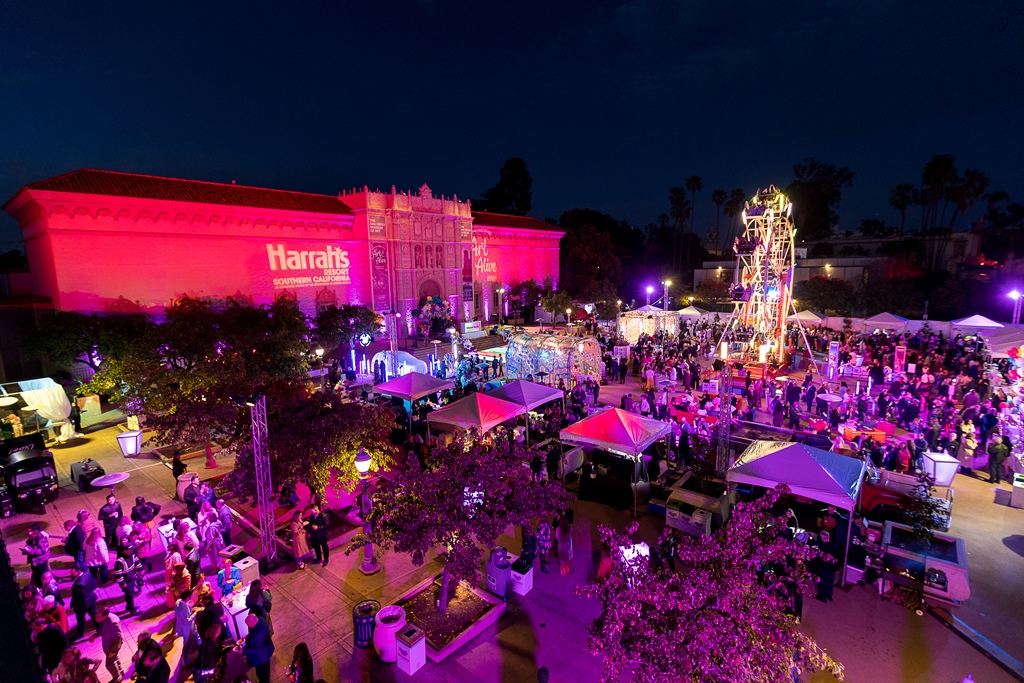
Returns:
<point x="118" y="184"/>
<point x="502" y="220"/>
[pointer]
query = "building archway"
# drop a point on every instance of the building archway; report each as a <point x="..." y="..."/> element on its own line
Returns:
<point x="429" y="288"/>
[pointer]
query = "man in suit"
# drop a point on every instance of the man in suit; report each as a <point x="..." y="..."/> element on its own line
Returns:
<point x="74" y="542"/>
<point x="259" y="647"/>
<point x="83" y="600"/>
<point x="110" y="515"/>
<point x="317" y="526"/>
<point x="191" y="497"/>
<point x="225" y="519"/>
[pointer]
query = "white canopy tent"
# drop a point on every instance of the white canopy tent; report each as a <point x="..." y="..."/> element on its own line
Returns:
<point x="1000" y="346"/>
<point x="648" y="309"/>
<point x="998" y="333"/>
<point x="476" y="411"/>
<point x="975" y="324"/>
<point x="692" y="312"/>
<point x="807" y="317"/>
<point x="885" y="321"/>
<point x="809" y="472"/>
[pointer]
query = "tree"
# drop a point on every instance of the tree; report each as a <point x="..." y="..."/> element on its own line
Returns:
<point x="512" y="193"/>
<point x="711" y="291"/>
<point x="873" y="227"/>
<point x="462" y="498"/>
<point x="334" y="325"/>
<point x="900" y="198"/>
<point x="733" y="208"/>
<point x="602" y="294"/>
<point x="312" y="435"/>
<point x="586" y="256"/>
<point x="184" y="372"/>
<point x="554" y="302"/>
<point x="816" y="193"/>
<point x="88" y="339"/>
<point x="693" y="184"/>
<point x="819" y="293"/>
<point x="720" y="619"/>
<point x="681" y="210"/>
<point x="718" y="198"/>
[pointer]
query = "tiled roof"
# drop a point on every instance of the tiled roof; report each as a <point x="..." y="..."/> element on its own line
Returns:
<point x="503" y="220"/>
<point x="116" y="184"/>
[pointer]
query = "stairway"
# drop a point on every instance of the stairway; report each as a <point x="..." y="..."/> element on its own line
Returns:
<point x="480" y="344"/>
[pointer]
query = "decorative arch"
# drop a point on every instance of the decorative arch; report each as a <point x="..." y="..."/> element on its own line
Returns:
<point x="429" y="288"/>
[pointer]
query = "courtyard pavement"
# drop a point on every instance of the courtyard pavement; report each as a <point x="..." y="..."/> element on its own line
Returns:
<point x="875" y="639"/>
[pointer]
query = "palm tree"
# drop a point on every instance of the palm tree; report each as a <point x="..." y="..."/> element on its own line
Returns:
<point x="901" y="197"/>
<point x="718" y="198"/>
<point x="694" y="184"/>
<point x="733" y="208"/>
<point x="681" y="209"/>
<point x="965" y="193"/>
<point x="937" y="179"/>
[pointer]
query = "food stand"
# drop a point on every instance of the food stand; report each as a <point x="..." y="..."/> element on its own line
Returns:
<point x="937" y="568"/>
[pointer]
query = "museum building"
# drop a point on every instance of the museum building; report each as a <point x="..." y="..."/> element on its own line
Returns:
<point x="105" y="241"/>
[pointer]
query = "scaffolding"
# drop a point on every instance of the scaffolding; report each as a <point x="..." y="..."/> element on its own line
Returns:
<point x="763" y="291"/>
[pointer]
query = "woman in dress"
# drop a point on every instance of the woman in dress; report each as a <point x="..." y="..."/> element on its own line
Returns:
<point x="300" y="542"/>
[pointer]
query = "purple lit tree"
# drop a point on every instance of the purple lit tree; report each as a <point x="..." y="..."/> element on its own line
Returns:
<point x="719" y="619"/>
<point x="462" y="499"/>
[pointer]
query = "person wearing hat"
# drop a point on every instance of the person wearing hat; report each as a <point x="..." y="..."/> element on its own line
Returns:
<point x="54" y="612"/>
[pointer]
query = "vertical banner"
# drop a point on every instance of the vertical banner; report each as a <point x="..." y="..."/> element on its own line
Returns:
<point x="899" y="358"/>
<point x="379" y="276"/>
<point x="833" y="359"/>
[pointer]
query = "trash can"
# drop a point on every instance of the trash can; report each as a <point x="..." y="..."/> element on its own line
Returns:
<point x="499" y="572"/>
<point x="412" y="649"/>
<point x="390" y="620"/>
<point x="364" y="616"/>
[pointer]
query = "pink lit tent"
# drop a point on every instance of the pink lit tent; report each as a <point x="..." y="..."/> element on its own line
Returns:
<point x="616" y="430"/>
<point x="413" y="386"/>
<point x="479" y="411"/>
<point x="527" y="394"/>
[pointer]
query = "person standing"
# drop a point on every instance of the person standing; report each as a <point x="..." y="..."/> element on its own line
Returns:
<point x="110" y="515"/>
<point x="191" y="497"/>
<point x="301" y="668"/>
<point x="83" y="600"/>
<point x="317" y="526"/>
<point x="258" y="647"/>
<point x="126" y="569"/>
<point x="565" y="553"/>
<point x="827" y="567"/>
<point x="156" y="667"/>
<point x="184" y="620"/>
<point x="109" y="626"/>
<point x="224" y="516"/>
<point x="37" y="550"/>
<point x="144" y="512"/>
<point x="997" y="454"/>
<point x="51" y="642"/>
<point x="543" y="544"/>
<point x="229" y="578"/>
<point x="97" y="556"/>
<point x="623" y="369"/>
<point x="300" y="544"/>
<point x="74" y="542"/>
<point x="178" y="468"/>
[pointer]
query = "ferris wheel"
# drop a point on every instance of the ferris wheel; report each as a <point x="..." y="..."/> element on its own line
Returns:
<point x="763" y="291"/>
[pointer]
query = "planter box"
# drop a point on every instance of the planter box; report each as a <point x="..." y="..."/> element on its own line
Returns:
<point x="490" y="614"/>
<point x="167" y="452"/>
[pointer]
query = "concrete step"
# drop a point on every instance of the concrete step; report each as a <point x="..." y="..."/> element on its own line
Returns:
<point x="484" y="343"/>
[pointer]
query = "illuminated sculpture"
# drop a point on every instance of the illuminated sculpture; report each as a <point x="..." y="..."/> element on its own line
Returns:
<point x="763" y="292"/>
<point x="554" y="356"/>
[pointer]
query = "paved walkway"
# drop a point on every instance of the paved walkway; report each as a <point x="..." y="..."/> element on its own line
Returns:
<point x="876" y="640"/>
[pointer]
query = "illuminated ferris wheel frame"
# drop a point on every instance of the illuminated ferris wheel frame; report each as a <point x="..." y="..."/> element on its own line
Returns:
<point x="763" y="292"/>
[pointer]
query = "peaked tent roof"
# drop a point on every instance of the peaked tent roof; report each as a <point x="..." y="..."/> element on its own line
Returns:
<point x="691" y="312"/>
<point x="478" y="410"/>
<point x="977" y="321"/>
<point x="807" y="316"/>
<point x="139" y="186"/>
<point x="649" y="309"/>
<point x="528" y="394"/>
<point x="885" y="319"/>
<point x="413" y="386"/>
<point x="999" y="333"/>
<point x="616" y="430"/>
<point x="809" y="472"/>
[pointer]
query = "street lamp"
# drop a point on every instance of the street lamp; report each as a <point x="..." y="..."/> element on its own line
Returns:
<point x="501" y="303"/>
<point x="320" y="357"/>
<point x="650" y="290"/>
<point x="568" y="313"/>
<point x="1017" y="299"/>
<point x="664" y="299"/>
<point x="130" y="442"/>
<point x="369" y="564"/>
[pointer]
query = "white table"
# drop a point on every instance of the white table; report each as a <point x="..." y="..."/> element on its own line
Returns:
<point x="166" y="531"/>
<point x="236" y="612"/>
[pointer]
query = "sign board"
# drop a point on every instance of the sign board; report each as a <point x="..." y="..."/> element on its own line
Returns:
<point x="833" y="359"/>
<point x="899" y="358"/>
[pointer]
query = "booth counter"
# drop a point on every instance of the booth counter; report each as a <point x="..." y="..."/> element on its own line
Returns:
<point x="937" y="568"/>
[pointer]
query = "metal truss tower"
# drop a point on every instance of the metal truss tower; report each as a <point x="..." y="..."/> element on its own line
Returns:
<point x="264" y="487"/>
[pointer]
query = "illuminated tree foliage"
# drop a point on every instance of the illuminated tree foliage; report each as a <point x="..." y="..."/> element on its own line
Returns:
<point x="719" y="619"/>
<point x="462" y="498"/>
<point x="87" y="339"/>
<point x="312" y="435"/>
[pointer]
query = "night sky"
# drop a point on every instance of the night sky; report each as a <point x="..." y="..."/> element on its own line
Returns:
<point x="609" y="103"/>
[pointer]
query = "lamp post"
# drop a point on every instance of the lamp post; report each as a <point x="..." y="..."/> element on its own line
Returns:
<point x="1017" y="299"/>
<point x="568" y="314"/>
<point x="664" y="298"/>
<point x="320" y="357"/>
<point x="369" y="564"/>
<point x="650" y="290"/>
<point x="501" y="303"/>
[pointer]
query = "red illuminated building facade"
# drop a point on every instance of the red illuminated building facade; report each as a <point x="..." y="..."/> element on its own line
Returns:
<point x="102" y="241"/>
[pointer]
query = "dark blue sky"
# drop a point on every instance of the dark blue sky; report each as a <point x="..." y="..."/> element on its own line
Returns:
<point x="610" y="103"/>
